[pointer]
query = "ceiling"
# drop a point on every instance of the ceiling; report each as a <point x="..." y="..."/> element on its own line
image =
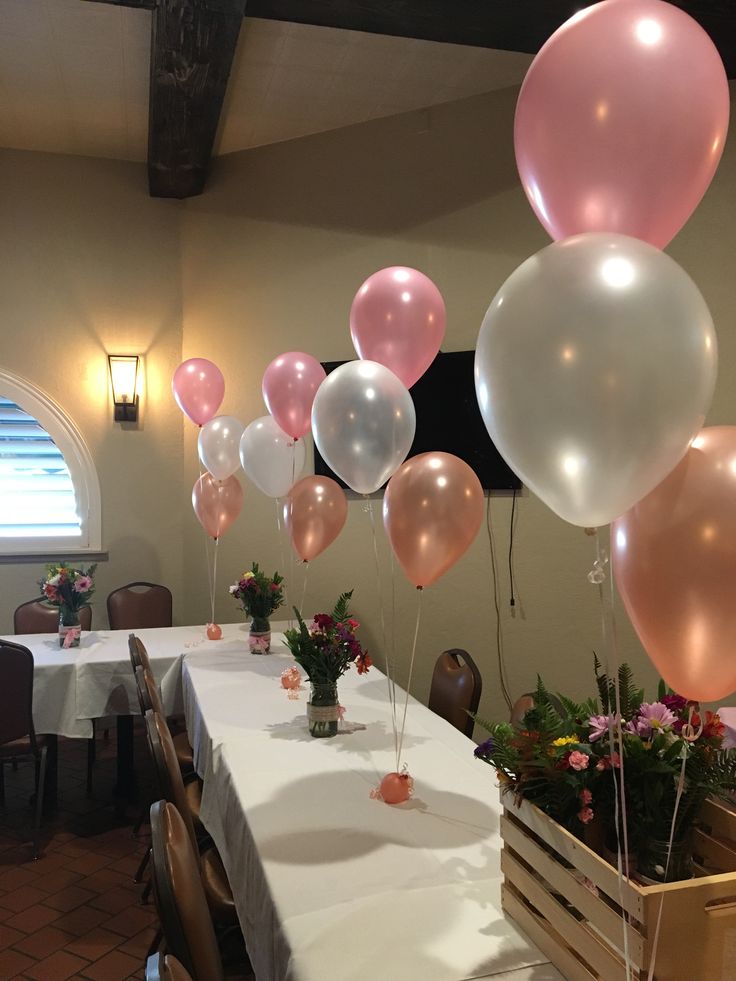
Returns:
<point x="74" y="78"/>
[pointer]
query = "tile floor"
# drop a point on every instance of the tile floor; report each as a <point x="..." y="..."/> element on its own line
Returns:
<point x="76" y="912"/>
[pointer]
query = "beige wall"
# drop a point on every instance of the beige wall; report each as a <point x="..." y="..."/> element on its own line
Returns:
<point x="89" y="265"/>
<point x="269" y="259"/>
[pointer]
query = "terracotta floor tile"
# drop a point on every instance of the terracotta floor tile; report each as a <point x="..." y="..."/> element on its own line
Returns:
<point x="105" y="879"/>
<point x="81" y="920"/>
<point x="114" y="900"/>
<point x="12" y="963"/>
<point x="59" y="879"/>
<point x="43" y="942"/>
<point x="88" y="863"/>
<point x="68" y="899"/>
<point x="114" y="966"/>
<point x="58" y="967"/>
<point x="8" y="936"/>
<point x="96" y="944"/>
<point x="132" y="920"/>
<point x="20" y="899"/>
<point x="139" y="945"/>
<point x="126" y="865"/>
<point x="16" y="878"/>
<point x="33" y="918"/>
<point x="72" y="849"/>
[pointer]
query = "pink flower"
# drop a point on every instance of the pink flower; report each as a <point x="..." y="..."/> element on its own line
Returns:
<point x="586" y="815"/>
<point x="607" y="762"/>
<point x="578" y="760"/>
<point x="353" y="624"/>
<point x="585" y="797"/>
<point x="599" y="725"/>
<point x="652" y="717"/>
<point x="50" y="592"/>
<point x="82" y="584"/>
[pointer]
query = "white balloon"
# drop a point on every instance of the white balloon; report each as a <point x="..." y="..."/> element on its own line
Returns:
<point x="363" y="421"/>
<point x="218" y="444"/>
<point x="594" y="370"/>
<point x="272" y="460"/>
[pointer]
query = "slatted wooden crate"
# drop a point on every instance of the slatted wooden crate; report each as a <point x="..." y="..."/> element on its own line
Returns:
<point x="579" y="925"/>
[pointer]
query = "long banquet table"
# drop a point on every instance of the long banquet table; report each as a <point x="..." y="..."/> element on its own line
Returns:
<point x="328" y="882"/>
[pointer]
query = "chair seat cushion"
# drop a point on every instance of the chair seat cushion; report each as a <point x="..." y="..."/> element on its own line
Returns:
<point x="193" y="791"/>
<point x="184" y="752"/>
<point x="21" y="747"/>
<point x="217" y="888"/>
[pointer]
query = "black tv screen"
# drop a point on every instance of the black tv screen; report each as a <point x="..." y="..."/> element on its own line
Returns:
<point x="448" y="419"/>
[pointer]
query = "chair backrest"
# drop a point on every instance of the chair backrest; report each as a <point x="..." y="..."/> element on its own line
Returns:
<point x="16" y="693"/>
<point x="37" y="617"/>
<point x="152" y="693"/>
<point x="138" y="653"/>
<point x="165" y="967"/>
<point x="456" y="688"/>
<point x="168" y="772"/>
<point x="522" y="705"/>
<point x="182" y="907"/>
<point x="139" y="605"/>
<point x="140" y="684"/>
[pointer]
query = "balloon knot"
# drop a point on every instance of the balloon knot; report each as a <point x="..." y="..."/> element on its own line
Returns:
<point x="597" y="574"/>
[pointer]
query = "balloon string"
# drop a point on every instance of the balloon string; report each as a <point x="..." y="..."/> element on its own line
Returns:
<point x="615" y="736"/>
<point x="291" y="524"/>
<point x="391" y="683"/>
<point x="214" y="579"/>
<point x="304" y="588"/>
<point x="280" y="535"/>
<point x="207" y="553"/>
<point x="497" y="605"/>
<point x="420" y="591"/>
<point x="680" y="788"/>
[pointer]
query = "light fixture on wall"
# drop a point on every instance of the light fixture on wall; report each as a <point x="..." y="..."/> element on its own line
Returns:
<point x="123" y="377"/>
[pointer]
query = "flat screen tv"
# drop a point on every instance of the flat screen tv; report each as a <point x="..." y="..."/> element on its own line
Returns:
<point x="448" y="419"/>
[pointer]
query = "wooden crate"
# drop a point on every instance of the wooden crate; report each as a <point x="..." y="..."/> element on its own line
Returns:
<point x="579" y="924"/>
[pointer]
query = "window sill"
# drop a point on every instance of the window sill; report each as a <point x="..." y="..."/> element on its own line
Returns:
<point x="51" y="555"/>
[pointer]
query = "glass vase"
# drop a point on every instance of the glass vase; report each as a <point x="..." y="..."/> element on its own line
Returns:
<point x="653" y="861"/>
<point x="70" y="630"/>
<point x="323" y="711"/>
<point x="259" y="639"/>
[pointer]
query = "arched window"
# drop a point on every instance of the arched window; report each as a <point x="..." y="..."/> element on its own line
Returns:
<point x="49" y="491"/>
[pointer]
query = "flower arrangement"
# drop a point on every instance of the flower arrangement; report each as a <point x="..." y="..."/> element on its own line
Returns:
<point x="565" y="758"/>
<point x="259" y="595"/>
<point x="68" y="588"/>
<point x="328" y="646"/>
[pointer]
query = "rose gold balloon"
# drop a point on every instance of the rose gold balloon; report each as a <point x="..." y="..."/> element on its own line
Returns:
<point x="396" y="788"/>
<point x="674" y="557"/>
<point x="214" y="631"/>
<point x="432" y="510"/>
<point x="217" y="503"/>
<point x="315" y="510"/>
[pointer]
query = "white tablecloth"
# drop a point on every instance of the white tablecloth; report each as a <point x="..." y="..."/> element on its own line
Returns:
<point x="329" y="883"/>
<point x="72" y="687"/>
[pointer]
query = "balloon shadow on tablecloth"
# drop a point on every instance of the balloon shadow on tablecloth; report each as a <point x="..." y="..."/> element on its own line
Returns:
<point x="433" y="819"/>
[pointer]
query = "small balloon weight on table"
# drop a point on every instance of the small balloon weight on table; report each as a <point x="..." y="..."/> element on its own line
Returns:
<point x="325" y="649"/>
<point x="621" y="122"/>
<point x="395" y="788"/>
<point x="291" y="679"/>
<point x="218" y="445"/>
<point x="398" y="319"/>
<point x="216" y="503"/>
<point x="259" y="596"/>
<point x="272" y="460"/>
<point x="315" y="512"/>
<point x="674" y="560"/>
<point x="290" y="383"/>
<point x="214" y="631"/>
<point x="594" y="369"/>
<point x="199" y="388"/>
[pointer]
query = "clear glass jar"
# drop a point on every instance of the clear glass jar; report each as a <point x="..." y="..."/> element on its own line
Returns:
<point x="653" y="861"/>
<point x="323" y="710"/>
<point x="259" y="639"/>
<point x="70" y="630"/>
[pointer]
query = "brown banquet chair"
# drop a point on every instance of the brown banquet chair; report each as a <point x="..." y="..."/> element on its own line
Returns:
<point x="139" y="605"/>
<point x="18" y="739"/>
<point x="522" y="705"/>
<point x="188" y="931"/>
<point x="187" y="799"/>
<point x="166" y="967"/>
<point x="456" y="689"/>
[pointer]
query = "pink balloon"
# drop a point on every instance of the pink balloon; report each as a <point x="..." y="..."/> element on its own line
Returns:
<point x="217" y="503"/>
<point x="289" y="385"/>
<point x="674" y="558"/>
<point x="199" y="389"/>
<point x="621" y="121"/>
<point x="398" y="319"/>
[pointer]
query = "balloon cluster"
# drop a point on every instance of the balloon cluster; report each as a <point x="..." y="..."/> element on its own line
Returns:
<point x="596" y="361"/>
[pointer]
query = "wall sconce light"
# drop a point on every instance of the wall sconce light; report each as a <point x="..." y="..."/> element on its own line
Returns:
<point x="123" y="377"/>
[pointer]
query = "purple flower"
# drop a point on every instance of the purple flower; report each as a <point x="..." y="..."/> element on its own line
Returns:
<point x="652" y="717"/>
<point x="600" y="724"/>
<point x="484" y="749"/>
<point x="82" y="584"/>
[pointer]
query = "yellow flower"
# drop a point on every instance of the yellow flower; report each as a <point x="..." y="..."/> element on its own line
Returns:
<point x="565" y="741"/>
<point x="247" y="575"/>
